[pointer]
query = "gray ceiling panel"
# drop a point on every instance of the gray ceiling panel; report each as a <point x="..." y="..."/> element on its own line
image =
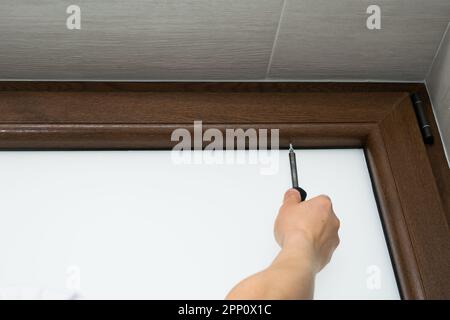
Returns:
<point x="220" y="40"/>
<point x="138" y="39"/>
<point x="321" y="39"/>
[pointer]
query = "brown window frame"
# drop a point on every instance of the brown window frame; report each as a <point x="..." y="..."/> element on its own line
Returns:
<point x="410" y="179"/>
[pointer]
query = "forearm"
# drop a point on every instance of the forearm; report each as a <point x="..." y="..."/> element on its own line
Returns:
<point x="308" y="235"/>
<point x="290" y="276"/>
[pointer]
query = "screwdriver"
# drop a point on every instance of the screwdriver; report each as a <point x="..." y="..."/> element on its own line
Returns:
<point x="294" y="177"/>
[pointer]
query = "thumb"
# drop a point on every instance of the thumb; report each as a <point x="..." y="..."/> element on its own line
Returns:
<point x="291" y="197"/>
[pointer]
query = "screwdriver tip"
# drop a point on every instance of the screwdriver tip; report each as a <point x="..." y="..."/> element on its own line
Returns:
<point x="291" y="148"/>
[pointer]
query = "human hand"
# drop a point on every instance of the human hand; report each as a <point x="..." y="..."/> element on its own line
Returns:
<point x="310" y="227"/>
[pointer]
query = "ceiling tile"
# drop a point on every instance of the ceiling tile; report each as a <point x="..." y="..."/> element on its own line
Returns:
<point x="321" y="40"/>
<point x="138" y="39"/>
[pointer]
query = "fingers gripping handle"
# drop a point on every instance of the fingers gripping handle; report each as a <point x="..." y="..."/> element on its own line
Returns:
<point x="303" y="193"/>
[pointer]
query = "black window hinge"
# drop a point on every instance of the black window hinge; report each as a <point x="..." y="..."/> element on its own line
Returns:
<point x="424" y="125"/>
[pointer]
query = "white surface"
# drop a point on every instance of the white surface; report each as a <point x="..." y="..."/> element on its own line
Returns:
<point x="138" y="226"/>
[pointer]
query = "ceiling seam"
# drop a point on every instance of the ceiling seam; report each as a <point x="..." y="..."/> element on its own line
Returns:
<point x="274" y="45"/>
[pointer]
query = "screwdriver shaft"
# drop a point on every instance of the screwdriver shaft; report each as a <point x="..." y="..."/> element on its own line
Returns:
<point x="293" y="163"/>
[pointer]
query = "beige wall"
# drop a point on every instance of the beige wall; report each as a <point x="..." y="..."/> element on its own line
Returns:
<point x="438" y="84"/>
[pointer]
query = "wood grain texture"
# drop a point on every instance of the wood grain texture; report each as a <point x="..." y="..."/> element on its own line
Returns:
<point x="157" y="136"/>
<point x="329" y="40"/>
<point x="415" y="183"/>
<point x="378" y="117"/>
<point x="186" y="107"/>
<point x="439" y="162"/>
<point x="138" y="39"/>
<point x="393" y="220"/>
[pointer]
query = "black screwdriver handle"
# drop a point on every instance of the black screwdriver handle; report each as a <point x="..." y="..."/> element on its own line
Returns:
<point x="303" y="193"/>
<point x="293" y="165"/>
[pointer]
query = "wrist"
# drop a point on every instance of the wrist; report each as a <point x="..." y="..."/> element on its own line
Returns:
<point x="299" y="250"/>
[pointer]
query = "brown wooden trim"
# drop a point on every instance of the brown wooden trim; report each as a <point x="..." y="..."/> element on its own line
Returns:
<point x="435" y="151"/>
<point x="185" y="107"/>
<point x="412" y="171"/>
<point x="394" y="222"/>
<point x="378" y="117"/>
<point x="436" y="156"/>
<point x="157" y="136"/>
<point x="59" y="86"/>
